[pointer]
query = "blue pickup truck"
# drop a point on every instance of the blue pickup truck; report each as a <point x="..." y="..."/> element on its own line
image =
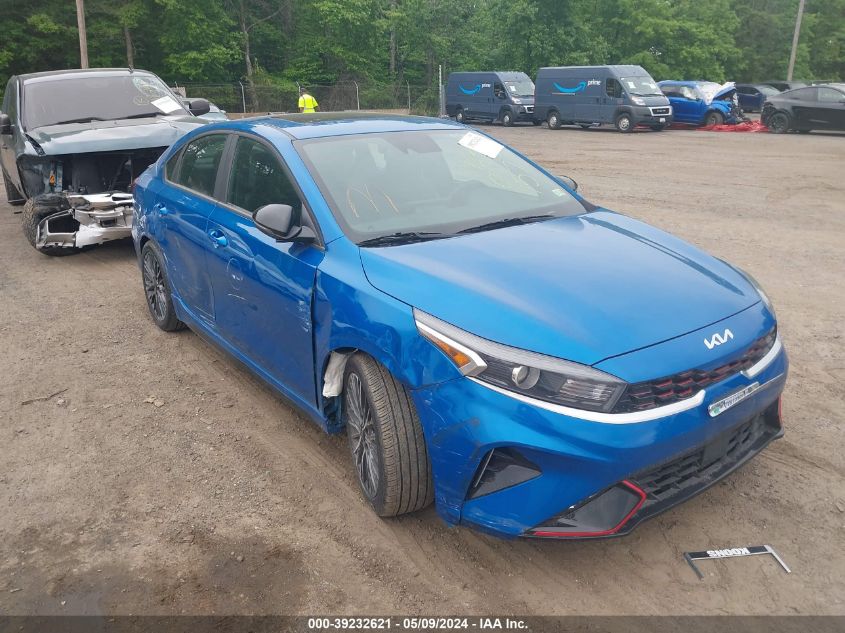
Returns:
<point x="702" y="102"/>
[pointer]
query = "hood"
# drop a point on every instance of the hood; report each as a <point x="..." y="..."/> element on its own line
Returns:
<point x="713" y="91"/>
<point x="583" y="288"/>
<point x="656" y="100"/>
<point x="105" y="136"/>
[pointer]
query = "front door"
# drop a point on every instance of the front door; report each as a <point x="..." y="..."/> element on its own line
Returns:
<point x="262" y="287"/>
<point x="7" y="141"/>
<point x="611" y="99"/>
<point x="183" y="203"/>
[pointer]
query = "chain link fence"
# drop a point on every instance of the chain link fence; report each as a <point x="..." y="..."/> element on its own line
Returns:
<point x="341" y="96"/>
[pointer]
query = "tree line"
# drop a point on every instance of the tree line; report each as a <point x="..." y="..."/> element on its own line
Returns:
<point x="280" y="42"/>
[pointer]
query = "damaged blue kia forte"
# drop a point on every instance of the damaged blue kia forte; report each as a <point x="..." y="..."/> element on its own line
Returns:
<point x="535" y="365"/>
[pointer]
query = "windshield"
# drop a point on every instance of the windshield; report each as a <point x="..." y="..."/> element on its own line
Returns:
<point x="768" y="90"/>
<point x="642" y="86"/>
<point x="437" y="182"/>
<point x="74" y="98"/>
<point x="521" y="88"/>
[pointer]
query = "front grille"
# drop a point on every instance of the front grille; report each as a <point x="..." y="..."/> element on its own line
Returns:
<point x="660" y="110"/>
<point x="704" y="465"/>
<point x="529" y="109"/>
<point x="650" y="394"/>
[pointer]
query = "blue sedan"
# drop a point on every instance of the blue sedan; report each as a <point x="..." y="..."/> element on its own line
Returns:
<point x="489" y="341"/>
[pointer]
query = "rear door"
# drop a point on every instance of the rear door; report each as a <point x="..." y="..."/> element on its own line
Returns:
<point x="830" y="108"/>
<point x="263" y="288"/>
<point x="183" y="204"/>
<point x="803" y="106"/>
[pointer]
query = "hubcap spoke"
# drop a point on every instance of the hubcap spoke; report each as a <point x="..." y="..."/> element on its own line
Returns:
<point x="362" y="435"/>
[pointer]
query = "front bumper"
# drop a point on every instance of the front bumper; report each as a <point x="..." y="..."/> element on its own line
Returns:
<point x="652" y="115"/>
<point x="577" y="460"/>
<point x="91" y="219"/>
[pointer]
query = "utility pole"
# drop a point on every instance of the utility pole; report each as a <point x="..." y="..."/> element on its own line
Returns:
<point x="795" y="40"/>
<point x="83" y="36"/>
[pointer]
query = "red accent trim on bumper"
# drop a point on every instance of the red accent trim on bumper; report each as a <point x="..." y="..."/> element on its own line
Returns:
<point x="635" y="488"/>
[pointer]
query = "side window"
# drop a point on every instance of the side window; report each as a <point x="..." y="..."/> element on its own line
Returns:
<point x="499" y="91"/>
<point x="804" y="94"/>
<point x="829" y="95"/>
<point x="613" y="88"/>
<point x="200" y="159"/>
<point x="687" y="93"/>
<point x="258" y="178"/>
<point x="10" y="101"/>
<point x="171" y="165"/>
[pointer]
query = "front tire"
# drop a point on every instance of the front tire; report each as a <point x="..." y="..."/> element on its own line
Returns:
<point x="714" y="118"/>
<point x="554" y="120"/>
<point x="37" y="209"/>
<point x="779" y="123"/>
<point x="624" y="123"/>
<point x="157" y="289"/>
<point x="385" y="439"/>
<point x="507" y="118"/>
<point x="459" y="115"/>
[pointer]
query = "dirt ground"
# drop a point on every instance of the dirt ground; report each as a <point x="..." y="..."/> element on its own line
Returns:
<point x="147" y="473"/>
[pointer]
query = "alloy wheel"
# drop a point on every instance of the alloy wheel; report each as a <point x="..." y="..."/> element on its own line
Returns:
<point x="154" y="286"/>
<point x="362" y="435"/>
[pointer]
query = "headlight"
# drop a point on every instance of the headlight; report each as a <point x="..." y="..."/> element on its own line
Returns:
<point x="519" y="371"/>
<point x="516" y="101"/>
<point x="638" y="100"/>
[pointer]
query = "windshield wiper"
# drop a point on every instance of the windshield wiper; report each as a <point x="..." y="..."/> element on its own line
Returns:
<point x="85" y="119"/>
<point x="142" y="115"/>
<point x="498" y="224"/>
<point x="403" y="238"/>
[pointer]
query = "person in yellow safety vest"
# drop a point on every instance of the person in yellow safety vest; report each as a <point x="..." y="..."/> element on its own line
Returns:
<point x="307" y="103"/>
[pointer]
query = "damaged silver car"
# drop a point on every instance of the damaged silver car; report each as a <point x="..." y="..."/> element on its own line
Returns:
<point x="73" y="142"/>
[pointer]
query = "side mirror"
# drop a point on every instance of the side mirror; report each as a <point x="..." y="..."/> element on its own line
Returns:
<point x="5" y="124"/>
<point x="279" y="221"/>
<point x="569" y="182"/>
<point x="198" y="107"/>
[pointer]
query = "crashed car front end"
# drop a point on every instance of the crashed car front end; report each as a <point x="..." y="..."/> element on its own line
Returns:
<point x="90" y="219"/>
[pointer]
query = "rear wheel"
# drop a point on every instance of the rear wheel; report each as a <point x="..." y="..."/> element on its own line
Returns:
<point x="386" y="440"/>
<point x="779" y="123"/>
<point x="35" y="210"/>
<point x="714" y="118"/>
<point x="507" y="118"/>
<point x="13" y="196"/>
<point x="459" y="115"/>
<point x="624" y="123"/>
<point x="157" y="289"/>
<point x="553" y="120"/>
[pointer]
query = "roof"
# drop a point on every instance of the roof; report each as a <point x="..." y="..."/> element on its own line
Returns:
<point x="686" y="82"/>
<point x="82" y="72"/>
<point x="323" y="124"/>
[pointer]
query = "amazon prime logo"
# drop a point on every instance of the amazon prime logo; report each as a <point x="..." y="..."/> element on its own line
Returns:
<point x="718" y="339"/>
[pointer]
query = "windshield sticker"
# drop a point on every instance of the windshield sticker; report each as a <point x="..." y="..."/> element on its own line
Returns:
<point x="632" y="85"/>
<point x="481" y="144"/>
<point x="166" y="104"/>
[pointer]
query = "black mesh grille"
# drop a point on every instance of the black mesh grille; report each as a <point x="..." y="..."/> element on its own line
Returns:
<point x="668" y="480"/>
<point x="660" y="110"/>
<point x="646" y="395"/>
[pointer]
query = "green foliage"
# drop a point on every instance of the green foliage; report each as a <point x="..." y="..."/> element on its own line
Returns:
<point x="325" y="41"/>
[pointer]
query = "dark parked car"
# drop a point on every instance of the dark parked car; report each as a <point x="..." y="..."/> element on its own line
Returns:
<point x="752" y="96"/>
<point x="72" y="143"/>
<point x="783" y="86"/>
<point x="806" y="109"/>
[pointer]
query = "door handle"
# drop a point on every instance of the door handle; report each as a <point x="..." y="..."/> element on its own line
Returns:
<point x="218" y="238"/>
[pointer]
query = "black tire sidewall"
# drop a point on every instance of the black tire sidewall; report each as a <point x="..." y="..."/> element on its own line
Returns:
<point x="34" y="211"/>
<point x="714" y="118"/>
<point x="620" y="118"/>
<point x="507" y="118"/>
<point x="553" y="120"/>
<point x="459" y="115"/>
